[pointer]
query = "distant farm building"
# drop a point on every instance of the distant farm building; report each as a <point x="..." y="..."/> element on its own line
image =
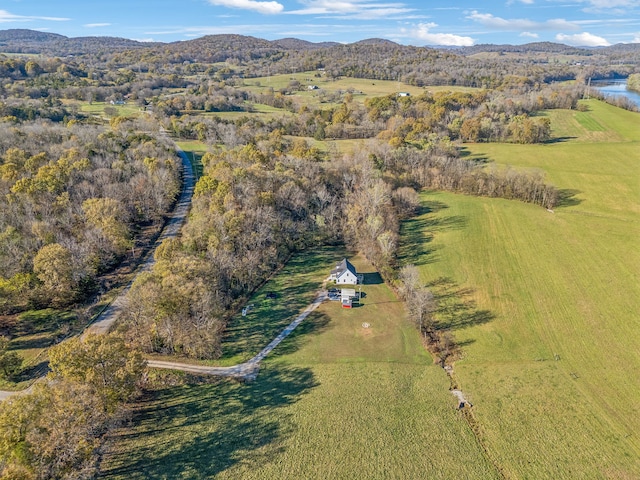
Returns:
<point x="344" y="273"/>
<point x="404" y="94"/>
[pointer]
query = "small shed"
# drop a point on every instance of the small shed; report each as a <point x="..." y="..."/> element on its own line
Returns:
<point x="347" y="295"/>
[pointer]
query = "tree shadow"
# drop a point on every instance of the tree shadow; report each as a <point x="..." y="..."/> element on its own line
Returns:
<point x="477" y="158"/>
<point x="567" y="198"/>
<point x="372" y="278"/>
<point x="553" y="140"/>
<point x="455" y="309"/>
<point x="34" y="371"/>
<point x="417" y="233"/>
<point x="198" y="431"/>
<point x="314" y="324"/>
<point x="33" y="342"/>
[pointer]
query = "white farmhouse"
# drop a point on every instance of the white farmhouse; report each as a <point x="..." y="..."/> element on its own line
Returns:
<point x="344" y="273"/>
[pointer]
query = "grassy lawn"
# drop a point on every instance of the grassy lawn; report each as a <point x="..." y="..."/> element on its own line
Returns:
<point x="553" y="375"/>
<point x="335" y="401"/>
<point x="33" y="332"/>
<point x="194" y="150"/>
<point x="97" y="108"/>
<point x="295" y="287"/>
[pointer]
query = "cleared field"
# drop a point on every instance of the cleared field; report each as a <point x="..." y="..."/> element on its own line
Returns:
<point x="361" y="88"/>
<point x="336" y="401"/>
<point x="553" y="375"/>
<point x="98" y="108"/>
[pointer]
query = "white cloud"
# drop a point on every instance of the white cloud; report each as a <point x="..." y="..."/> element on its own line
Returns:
<point x="612" y="3"/>
<point x="584" y="39"/>
<point x="96" y="25"/>
<point x="423" y="32"/>
<point x="636" y="38"/>
<point x="515" y="24"/>
<point x="267" y="8"/>
<point x="529" y="34"/>
<point x="359" y="9"/>
<point x="6" y="17"/>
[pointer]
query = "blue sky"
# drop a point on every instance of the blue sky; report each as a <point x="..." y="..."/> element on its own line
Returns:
<point x="412" y="22"/>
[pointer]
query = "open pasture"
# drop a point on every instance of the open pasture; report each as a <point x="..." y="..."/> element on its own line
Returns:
<point x="553" y="376"/>
<point x="360" y="88"/>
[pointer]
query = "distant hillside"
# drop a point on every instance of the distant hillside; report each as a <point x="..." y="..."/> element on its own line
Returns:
<point x="537" y="47"/>
<point x="375" y="41"/>
<point x="218" y="48"/>
<point x="32" y="41"/>
<point x="297" y="44"/>
<point x="25" y="35"/>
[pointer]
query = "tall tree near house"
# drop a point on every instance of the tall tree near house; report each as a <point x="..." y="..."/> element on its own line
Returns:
<point x="420" y="301"/>
<point x="52" y="433"/>
<point x="103" y="362"/>
<point x="10" y="362"/>
<point x="110" y="217"/>
<point x="53" y="266"/>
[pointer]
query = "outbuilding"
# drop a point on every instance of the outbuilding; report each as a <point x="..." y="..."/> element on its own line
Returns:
<point x="347" y="295"/>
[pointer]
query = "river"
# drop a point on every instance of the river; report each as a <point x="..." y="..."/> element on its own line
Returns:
<point x="616" y="88"/>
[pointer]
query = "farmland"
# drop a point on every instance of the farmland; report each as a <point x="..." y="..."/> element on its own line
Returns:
<point x="335" y="401"/>
<point x="553" y="376"/>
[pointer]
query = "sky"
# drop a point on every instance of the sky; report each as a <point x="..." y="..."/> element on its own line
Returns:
<point x="409" y="22"/>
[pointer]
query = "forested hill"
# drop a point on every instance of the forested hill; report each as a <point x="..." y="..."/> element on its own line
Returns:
<point x="246" y="56"/>
<point x="535" y="47"/>
<point x="631" y="50"/>
<point x="32" y="41"/>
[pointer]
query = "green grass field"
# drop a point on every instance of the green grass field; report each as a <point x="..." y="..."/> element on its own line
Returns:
<point x="97" y="108"/>
<point x="553" y="374"/>
<point x="194" y="150"/>
<point x="361" y="88"/>
<point x="335" y="401"/>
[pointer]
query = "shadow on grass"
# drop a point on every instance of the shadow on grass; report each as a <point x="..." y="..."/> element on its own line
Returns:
<point x="477" y="158"/>
<point x="455" y="309"/>
<point x="417" y="233"/>
<point x="558" y="140"/>
<point x="567" y="198"/>
<point x="373" y="278"/>
<point x="40" y="341"/>
<point x="202" y="430"/>
<point x="266" y="319"/>
<point x="34" y="371"/>
<point x="314" y="324"/>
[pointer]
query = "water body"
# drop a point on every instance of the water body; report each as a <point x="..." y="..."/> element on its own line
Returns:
<point x="616" y="88"/>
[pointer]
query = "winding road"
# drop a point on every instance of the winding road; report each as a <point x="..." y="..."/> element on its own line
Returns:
<point x="104" y="321"/>
<point x="247" y="370"/>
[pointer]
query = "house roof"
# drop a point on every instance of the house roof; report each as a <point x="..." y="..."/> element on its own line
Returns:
<point x="342" y="267"/>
